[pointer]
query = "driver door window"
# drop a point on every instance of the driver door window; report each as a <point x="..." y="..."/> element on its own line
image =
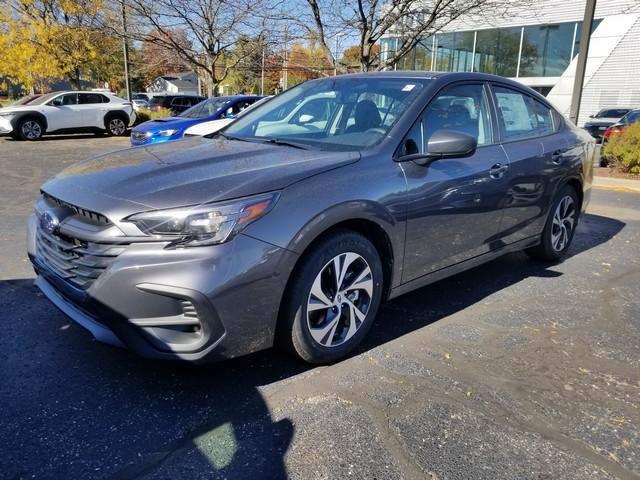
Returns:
<point x="463" y="108"/>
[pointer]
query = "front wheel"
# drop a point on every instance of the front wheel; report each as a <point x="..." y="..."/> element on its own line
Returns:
<point x="30" y="129"/>
<point x="559" y="228"/>
<point x="333" y="298"/>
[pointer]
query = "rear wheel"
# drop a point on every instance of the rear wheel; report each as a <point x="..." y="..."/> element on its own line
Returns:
<point x="559" y="228"/>
<point x="116" y="125"/>
<point x="30" y="129"/>
<point x="333" y="298"/>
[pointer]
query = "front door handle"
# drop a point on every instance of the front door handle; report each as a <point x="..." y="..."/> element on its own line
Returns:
<point x="556" y="157"/>
<point x="498" y="170"/>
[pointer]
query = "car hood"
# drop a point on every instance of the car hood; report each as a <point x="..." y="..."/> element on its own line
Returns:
<point x="17" y="108"/>
<point x="166" y="123"/>
<point x="187" y="172"/>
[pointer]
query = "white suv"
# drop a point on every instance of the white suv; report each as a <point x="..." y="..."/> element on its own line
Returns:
<point x="66" y="112"/>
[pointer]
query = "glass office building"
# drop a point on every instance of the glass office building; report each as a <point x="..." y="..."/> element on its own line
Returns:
<point x="526" y="51"/>
<point x="538" y="45"/>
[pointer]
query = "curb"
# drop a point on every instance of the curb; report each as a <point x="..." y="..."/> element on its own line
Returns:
<point x="616" y="189"/>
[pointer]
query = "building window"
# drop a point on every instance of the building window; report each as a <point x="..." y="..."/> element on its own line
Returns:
<point x="576" y="45"/>
<point x="546" y="50"/>
<point x="454" y="52"/>
<point x="497" y="51"/>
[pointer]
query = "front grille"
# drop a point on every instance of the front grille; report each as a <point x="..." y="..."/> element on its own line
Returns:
<point x="77" y="261"/>
<point x="88" y="214"/>
<point x="139" y="136"/>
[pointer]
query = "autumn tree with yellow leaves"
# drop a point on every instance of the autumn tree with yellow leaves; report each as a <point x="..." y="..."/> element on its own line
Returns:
<point x="43" y="40"/>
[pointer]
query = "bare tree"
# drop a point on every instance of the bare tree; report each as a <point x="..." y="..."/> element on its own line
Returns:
<point x="212" y="27"/>
<point x="409" y="21"/>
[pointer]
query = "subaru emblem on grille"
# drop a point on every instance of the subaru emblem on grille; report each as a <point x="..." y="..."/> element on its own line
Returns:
<point x="49" y="222"/>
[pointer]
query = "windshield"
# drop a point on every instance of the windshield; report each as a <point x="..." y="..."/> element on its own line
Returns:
<point x="612" y="113"/>
<point x="631" y="117"/>
<point x="343" y="113"/>
<point x="44" y="98"/>
<point x="206" y="108"/>
<point x="25" y="100"/>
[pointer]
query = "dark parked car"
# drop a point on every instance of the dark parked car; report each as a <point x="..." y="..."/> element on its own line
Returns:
<point x="294" y="228"/>
<point x="616" y="129"/>
<point x="603" y="120"/>
<point x="175" y="103"/>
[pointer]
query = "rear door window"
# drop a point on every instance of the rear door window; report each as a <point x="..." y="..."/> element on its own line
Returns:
<point x="521" y="116"/>
<point x="90" y="98"/>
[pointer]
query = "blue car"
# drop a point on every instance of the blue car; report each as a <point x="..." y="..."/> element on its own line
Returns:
<point x="174" y="128"/>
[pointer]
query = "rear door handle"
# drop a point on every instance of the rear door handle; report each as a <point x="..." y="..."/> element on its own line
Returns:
<point x="498" y="170"/>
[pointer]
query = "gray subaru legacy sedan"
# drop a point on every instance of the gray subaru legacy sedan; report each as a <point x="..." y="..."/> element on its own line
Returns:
<point x="296" y="221"/>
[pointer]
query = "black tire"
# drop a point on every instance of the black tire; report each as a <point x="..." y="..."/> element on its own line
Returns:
<point x="550" y="249"/>
<point x="116" y="125"/>
<point x="30" y="129"/>
<point x="295" y="324"/>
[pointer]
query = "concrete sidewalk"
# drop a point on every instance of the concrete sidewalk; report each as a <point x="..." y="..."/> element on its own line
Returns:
<point x="619" y="184"/>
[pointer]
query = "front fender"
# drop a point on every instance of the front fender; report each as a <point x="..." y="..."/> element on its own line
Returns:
<point x="28" y="113"/>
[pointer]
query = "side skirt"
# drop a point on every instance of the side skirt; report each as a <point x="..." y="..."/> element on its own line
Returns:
<point x="462" y="266"/>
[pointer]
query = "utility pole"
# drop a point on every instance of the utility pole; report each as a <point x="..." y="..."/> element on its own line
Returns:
<point x="262" y="74"/>
<point x="585" y="37"/>
<point x="285" y="73"/>
<point x="125" y="50"/>
<point x="335" y="56"/>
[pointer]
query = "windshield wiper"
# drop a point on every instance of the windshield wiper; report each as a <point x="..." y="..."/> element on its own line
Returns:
<point x="229" y="137"/>
<point x="277" y="141"/>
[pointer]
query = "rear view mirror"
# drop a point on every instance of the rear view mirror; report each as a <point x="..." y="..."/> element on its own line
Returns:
<point x="305" y="118"/>
<point x="442" y="144"/>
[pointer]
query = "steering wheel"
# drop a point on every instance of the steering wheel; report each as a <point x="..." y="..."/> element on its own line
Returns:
<point x="378" y="130"/>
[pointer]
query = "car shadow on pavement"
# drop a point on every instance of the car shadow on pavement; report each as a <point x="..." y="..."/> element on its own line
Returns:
<point x="73" y="408"/>
<point x="446" y="297"/>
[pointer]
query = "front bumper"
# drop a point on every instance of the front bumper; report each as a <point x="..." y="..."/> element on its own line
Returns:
<point x="232" y="294"/>
<point x="5" y="126"/>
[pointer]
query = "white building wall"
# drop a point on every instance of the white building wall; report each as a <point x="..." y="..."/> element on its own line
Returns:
<point x="531" y="12"/>
<point x="612" y="76"/>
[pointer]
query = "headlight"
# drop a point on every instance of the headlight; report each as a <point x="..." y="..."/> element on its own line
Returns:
<point x="167" y="133"/>
<point x="207" y="224"/>
<point x="8" y="115"/>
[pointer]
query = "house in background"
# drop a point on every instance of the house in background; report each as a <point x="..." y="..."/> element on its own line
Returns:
<point x="183" y="83"/>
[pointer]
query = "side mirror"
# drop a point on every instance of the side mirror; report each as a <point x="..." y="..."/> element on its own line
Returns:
<point x="442" y="144"/>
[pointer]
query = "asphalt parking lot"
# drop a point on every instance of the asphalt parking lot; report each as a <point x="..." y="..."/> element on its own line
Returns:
<point x="514" y="370"/>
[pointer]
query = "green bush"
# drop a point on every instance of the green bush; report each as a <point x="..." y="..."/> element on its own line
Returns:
<point x="144" y="114"/>
<point x="622" y="150"/>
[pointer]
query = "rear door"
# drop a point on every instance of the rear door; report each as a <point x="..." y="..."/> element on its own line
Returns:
<point x="93" y="108"/>
<point x="454" y="205"/>
<point x="537" y="153"/>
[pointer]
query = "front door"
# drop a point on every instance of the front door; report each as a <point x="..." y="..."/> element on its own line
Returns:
<point x="454" y="205"/>
<point x="63" y="112"/>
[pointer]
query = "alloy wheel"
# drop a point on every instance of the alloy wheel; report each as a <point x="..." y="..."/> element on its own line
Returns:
<point x="31" y="130"/>
<point x="339" y="299"/>
<point x="117" y="126"/>
<point x="563" y="223"/>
